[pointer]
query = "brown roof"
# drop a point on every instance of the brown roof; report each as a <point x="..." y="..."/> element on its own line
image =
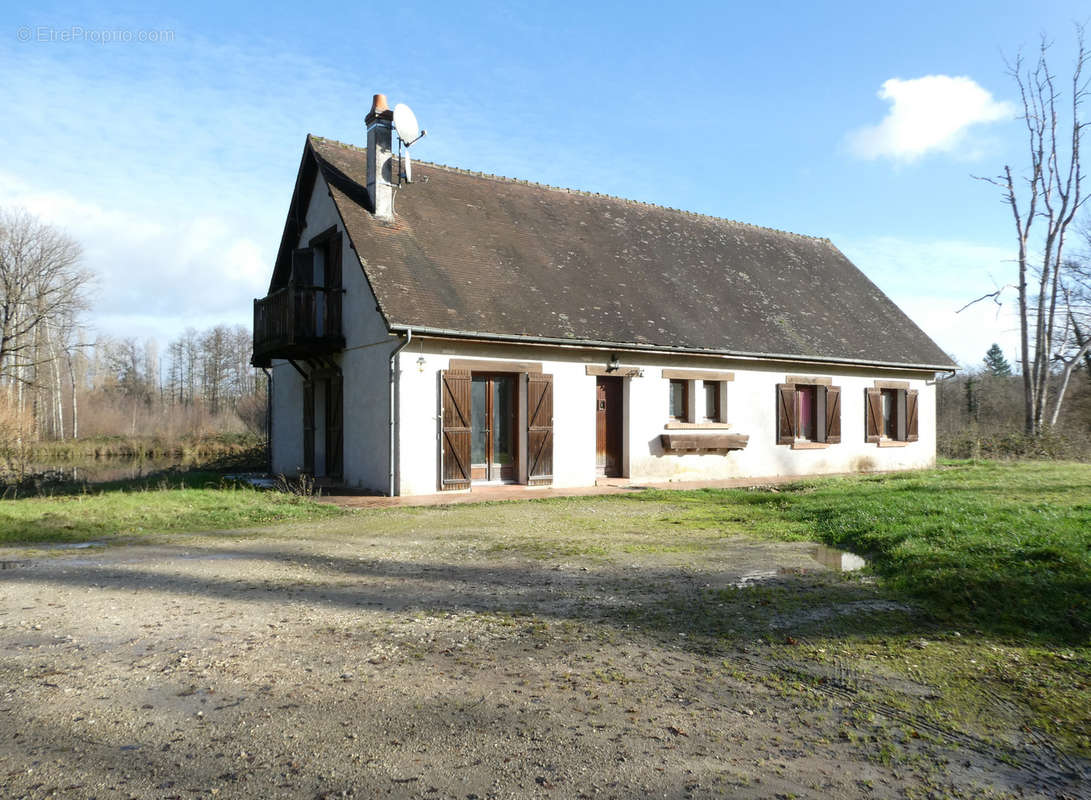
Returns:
<point x="478" y="255"/>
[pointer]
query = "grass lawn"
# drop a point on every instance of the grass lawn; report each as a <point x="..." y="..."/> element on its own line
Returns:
<point x="188" y="502"/>
<point x="995" y="557"/>
<point x="993" y="546"/>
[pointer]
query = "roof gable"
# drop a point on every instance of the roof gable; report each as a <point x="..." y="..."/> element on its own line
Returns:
<point x="484" y="256"/>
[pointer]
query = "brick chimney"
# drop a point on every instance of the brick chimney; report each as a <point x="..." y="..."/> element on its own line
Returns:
<point x="381" y="176"/>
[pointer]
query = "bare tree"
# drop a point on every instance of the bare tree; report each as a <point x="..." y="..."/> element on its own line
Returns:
<point x="1044" y="203"/>
<point x="41" y="281"/>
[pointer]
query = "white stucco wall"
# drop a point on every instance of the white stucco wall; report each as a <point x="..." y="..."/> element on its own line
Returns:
<point x="364" y="366"/>
<point x="751" y="410"/>
<point x="286" y="406"/>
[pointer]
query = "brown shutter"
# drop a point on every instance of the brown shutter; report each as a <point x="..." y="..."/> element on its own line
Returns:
<point x="333" y="283"/>
<point x="335" y="426"/>
<point x="333" y="262"/>
<point x="911" y="415"/>
<point x="455" y="400"/>
<point x="303" y="266"/>
<point x="873" y="413"/>
<point x="833" y="414"/>
<point x="539" y="429"/>
<point x="308" y="427"/>
<point x="786" y="413"/>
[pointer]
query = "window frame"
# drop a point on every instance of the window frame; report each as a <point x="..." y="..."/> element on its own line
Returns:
<point x="685" y="384"/>
<point x="802" y="390"/>
<point x="826" y="411"/>
<point x="903" y="417"/>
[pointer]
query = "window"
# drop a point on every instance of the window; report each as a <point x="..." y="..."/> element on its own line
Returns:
<point x="808" y="413"/>
<point x="891" y="413"/>
<point x="679" y="400"/>
<point x="713" y="405"/>
<point x="698" y="398"/>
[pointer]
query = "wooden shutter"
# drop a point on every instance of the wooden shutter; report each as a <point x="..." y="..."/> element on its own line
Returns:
<point x="333" y="283"/>
<point x="539" y="429"/>
<point x="333" y="262"/>
<point x="833" y="414"/>
<point x="308" y="427"/>
<point x="335" y="426"/>
<point x="786" y="413"/>
<point x="911" y="415"/>
<point x="873" y="413"/>
<point x="455" y="455"/>
<point x="303" y="266"/>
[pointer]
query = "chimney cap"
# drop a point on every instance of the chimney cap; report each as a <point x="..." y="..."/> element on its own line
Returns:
<point x="379" y="110"/>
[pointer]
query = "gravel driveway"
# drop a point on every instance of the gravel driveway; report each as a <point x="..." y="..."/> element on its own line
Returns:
<point x="390" y="654"/>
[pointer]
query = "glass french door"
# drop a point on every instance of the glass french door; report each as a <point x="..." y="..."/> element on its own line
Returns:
<point x="492" y="428"/>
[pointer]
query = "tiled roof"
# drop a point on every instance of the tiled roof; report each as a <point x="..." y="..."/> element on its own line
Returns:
<point x="489" y="256"/>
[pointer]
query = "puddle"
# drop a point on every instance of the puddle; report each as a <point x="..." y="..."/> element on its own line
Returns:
<point x="838" y="560"/>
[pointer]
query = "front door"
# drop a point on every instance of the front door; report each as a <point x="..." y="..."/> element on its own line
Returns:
<point x="492" y="428"/>
<point x="608" y="427"/>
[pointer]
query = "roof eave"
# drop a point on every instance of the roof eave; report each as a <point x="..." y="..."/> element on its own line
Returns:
<point x="449" y="333"/>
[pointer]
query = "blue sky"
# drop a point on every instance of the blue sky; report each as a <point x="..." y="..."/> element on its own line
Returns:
<point x="173" y="160"/>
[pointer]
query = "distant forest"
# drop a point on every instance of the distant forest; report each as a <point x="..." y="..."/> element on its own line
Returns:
<point x="59" y="380"/>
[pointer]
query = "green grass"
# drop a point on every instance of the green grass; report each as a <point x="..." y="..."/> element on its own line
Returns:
<point x="186" y="502"/>
<point x="1002" y="547"/>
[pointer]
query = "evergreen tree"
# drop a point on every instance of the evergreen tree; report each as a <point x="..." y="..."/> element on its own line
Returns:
<point x="995" y="363"/>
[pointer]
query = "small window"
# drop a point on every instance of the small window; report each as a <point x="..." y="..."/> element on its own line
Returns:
<point x="713" y="411"/>
<point x="807" y="413"/>
<point x="891" y="414"/>
<point x="679" y="409"/>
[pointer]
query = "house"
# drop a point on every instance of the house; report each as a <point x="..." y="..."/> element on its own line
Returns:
<point x="468" y="328"/>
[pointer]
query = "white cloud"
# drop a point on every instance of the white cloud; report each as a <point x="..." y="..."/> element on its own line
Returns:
<point x="931" y="280"/>
<point x="927" y="115"/>
<point x="156" y="275"/>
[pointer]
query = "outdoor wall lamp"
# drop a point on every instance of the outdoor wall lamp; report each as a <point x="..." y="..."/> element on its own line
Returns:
<point x="613" y="364"/>
<point x="420" y="364"/>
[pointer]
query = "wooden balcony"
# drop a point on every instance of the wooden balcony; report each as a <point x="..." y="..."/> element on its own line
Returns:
<point x="296" y="322"/>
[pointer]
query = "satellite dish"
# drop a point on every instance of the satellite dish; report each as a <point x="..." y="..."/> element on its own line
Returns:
<point x="405" y="123"/>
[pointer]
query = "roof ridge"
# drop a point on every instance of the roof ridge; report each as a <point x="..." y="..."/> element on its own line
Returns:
<point x="585" y="193"/>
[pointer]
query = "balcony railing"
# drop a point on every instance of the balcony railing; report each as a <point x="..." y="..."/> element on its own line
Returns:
<point x="297" y="321"/>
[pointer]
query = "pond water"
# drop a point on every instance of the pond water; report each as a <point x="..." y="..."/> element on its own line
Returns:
<point x="100" y="470"/>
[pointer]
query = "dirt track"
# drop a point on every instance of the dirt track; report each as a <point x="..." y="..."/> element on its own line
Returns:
<point x="337" y="661"/>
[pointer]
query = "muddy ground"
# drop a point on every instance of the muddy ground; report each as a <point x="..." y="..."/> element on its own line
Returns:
<point x="357" y="658"/>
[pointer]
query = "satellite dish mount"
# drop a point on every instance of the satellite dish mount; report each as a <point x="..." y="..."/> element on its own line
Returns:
<point x="409" y="132"/>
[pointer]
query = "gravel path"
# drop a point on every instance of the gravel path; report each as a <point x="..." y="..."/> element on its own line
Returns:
<point x="335" y="661"/>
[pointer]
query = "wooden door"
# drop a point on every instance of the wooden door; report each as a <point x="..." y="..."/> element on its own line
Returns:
<point x="608" y="427"/>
